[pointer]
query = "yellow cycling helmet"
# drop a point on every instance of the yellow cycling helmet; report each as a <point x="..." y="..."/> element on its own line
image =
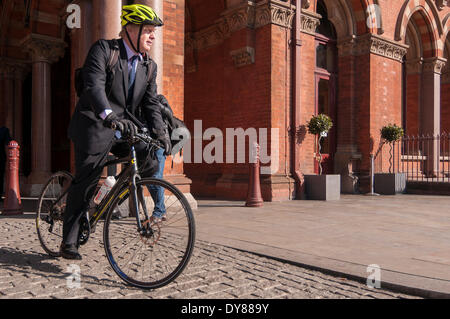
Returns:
<point x="139" y="14"/>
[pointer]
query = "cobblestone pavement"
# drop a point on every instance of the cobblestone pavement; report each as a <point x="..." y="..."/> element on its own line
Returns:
<point x="214" y="272"/>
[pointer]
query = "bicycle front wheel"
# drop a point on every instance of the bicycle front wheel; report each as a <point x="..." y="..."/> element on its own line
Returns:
<point x="155" y="256"/>
<point x="50" y="212"/>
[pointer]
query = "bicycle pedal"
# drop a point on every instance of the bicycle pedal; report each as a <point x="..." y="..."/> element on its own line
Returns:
<point x="84" y="232"/>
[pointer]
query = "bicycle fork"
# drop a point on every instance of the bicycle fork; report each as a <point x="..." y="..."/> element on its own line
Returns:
<point x="137" y="195"/>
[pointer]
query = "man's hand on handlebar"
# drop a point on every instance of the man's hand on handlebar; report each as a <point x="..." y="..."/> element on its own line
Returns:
<point x="165" y="141"/>
<point x="126" y="127"/>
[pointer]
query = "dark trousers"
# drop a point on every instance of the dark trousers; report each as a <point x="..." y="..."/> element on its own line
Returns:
<point x="88" y="172"/>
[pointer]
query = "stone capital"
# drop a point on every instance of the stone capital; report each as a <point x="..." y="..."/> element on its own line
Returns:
<point x="434" y="65"/>
<point x="276" y="12"/>
<point x="371" y="43"/>
<point x="309" y="22"/>
<point x="44" y="48"/>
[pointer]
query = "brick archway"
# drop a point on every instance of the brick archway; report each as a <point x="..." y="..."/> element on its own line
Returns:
<point x="342" y="17"/>
<point x="446" y="27"/>
<point x="368" y="17"/>
<point x="445" y="81"/>
<point x="426" y="16"/>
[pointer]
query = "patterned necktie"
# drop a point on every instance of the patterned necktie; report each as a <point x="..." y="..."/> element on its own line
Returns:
<point x="132" y="75"/>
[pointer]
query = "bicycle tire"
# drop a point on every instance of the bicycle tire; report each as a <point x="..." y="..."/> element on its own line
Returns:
<point x="46" y="220"/>
<point x="165" y="237"/>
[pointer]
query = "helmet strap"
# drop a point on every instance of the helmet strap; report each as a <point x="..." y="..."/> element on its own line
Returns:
<point x="139" y="38"/>
<point x="138" y="41"/>
<point x="129" y="40"/>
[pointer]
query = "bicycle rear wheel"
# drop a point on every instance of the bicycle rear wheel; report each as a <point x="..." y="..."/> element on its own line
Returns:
<point x="50" y="212"/>
<point x="155" y="258"/>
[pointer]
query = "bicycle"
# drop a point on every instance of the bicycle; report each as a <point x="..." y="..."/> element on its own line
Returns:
<point x="134" y="238"/>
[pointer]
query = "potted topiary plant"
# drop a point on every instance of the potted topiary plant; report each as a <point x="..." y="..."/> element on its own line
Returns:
<point x="390" y="183"/>
<point x="319" y="125"/>
<point x="322" y="187"/>
<point x="391" y="133"/>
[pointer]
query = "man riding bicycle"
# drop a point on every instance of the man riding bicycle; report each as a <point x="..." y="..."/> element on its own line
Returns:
<point x="108" y="103"/>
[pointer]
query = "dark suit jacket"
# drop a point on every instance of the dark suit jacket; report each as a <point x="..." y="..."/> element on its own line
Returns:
<point x="86" y="128"/>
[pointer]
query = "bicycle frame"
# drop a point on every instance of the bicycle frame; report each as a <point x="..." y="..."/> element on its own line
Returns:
<point x="128" y="175"/>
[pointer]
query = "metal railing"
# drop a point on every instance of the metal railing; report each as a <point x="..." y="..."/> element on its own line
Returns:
<point x="422" y="157"/>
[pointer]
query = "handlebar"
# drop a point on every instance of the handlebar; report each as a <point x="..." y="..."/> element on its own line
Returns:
<point x="147" y="139"/>
<point x="142" y="136"/>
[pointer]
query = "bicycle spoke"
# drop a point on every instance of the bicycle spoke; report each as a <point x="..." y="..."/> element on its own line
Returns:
<point x="49" y="215"/>
<point x="156" y="256"/>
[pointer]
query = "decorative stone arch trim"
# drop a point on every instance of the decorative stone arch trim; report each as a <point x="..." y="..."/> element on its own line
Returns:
<point x="445" y="79"/>
<point x="431" y="15"/>
<point x="368" y="16"/>
<point x="446" y="27"/>
<point x="340" y="14"/>
<point x="247" y="14"/>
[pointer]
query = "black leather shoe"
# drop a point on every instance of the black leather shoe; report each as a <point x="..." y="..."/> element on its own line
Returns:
<point x="69" y="252"/>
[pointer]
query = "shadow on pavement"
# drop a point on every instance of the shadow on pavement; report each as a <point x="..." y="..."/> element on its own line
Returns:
<point x="16" y="258"/>
<point x="35" y="264"/>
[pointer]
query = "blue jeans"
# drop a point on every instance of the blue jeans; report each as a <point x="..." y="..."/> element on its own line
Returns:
<point x="157" y="192"/>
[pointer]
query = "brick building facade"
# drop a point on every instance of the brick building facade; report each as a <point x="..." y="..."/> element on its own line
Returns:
<point x="364" y="63"/>
<point x="267" y="65"/>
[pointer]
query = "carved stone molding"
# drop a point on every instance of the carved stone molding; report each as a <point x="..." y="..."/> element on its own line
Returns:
<point x="275" y="12"/>
<point x="371" y="43"/>
<point x="243" y="56"/>
<point x="44" y="48"/>
<point x="245" y="15"/>
<point x="435" y="65"/>
<point x="309" y="22"/>
<point x="237" y="18"/>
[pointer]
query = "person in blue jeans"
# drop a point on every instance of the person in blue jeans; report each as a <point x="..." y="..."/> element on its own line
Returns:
<point x="157" y="192"/>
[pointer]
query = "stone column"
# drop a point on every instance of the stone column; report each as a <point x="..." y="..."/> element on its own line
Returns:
<point x="347" y="155"/>
<point x="157" y="52"/>
<point x="7" y="87"/>
<point x="413" y="83"/>
<point x="369" y="58"/>
<point x="20" y="71"/>
<point x="81" y="41"/>
<point x="13" y="73"/>
<point x="44" y="51"/>
<point x="430" y="110"/>
<point x="445" y="100"/>
<point x="106" y="19"/>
